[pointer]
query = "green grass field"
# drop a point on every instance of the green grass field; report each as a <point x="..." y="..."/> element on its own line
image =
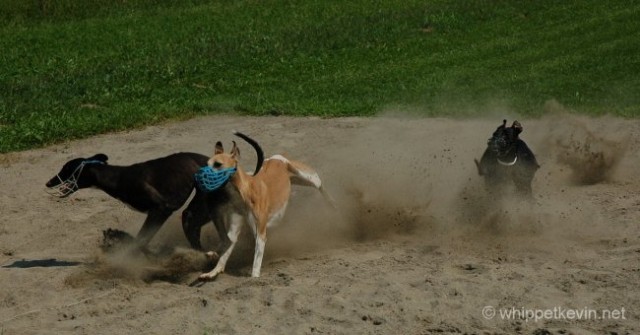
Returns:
<point x="71" y="69"/>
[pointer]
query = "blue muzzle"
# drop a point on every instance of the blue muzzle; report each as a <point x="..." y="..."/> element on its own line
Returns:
<point x="209" y="179"/>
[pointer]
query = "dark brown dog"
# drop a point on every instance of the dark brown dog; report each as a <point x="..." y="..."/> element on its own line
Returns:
<point x="157" y="187"/>
<point x="508" y="159"/>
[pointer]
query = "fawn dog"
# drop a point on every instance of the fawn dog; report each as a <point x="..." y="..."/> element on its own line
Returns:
<point x="259" y="200"/>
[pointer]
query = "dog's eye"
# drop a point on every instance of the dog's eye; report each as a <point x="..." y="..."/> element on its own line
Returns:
<point x="217" y="165"/>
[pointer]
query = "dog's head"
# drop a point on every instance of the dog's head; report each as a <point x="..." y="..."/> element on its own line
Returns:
<point x="224" y="160"/>
<point x="504" y="138"/>
<point x="223" y="165"/>
<point x="70" y="178"/>
<point x="219" y="169"/>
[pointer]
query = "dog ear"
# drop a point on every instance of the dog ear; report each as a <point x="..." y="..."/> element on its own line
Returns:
<point x="517" y="127"/>
<point x="99" y="157"/>
<point x="235" y="151"/>
<point x="219" y="148"/>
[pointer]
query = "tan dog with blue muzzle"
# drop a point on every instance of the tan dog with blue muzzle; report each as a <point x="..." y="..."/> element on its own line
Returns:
<point x="259" y="200"/>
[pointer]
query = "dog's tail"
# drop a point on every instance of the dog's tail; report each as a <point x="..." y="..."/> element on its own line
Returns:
<point x="256" y="146"/>
<point x="480" y="171"/>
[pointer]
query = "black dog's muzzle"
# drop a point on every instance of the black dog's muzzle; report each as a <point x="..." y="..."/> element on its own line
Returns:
<point x="65" y="188"/>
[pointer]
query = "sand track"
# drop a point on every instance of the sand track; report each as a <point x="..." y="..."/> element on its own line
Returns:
<point x="416" y="247"/>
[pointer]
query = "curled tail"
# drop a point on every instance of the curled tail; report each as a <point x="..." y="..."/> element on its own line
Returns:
<point x="255" y="146"/>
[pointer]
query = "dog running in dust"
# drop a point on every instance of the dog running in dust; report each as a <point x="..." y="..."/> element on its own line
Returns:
<point x="508" y="159"/>
<point x="259" y="200"/>
<point x="157" y="187"/>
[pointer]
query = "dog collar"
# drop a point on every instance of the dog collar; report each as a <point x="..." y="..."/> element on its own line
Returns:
<point x="515" y="159"/>
<point x="208" y="179"/>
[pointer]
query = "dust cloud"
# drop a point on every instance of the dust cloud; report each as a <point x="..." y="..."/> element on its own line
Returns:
<point x="399" y="177"/>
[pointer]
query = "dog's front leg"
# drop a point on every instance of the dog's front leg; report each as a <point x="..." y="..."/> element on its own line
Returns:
<point x="523" y="187"/>
<point x="151" y="225"/>
<point x="234" y="232"/>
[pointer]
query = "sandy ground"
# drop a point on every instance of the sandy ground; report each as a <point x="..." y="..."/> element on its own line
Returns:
<point x="416" y="246"/>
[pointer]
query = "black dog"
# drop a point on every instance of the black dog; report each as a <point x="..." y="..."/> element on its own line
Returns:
<point x="157" y="187"/>
<point x="508" y="159"/>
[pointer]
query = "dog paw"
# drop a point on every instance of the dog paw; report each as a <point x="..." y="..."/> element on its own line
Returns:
<point x="115" y="239"/>
<point x="210" y="275"/>
<point x="212" y="255"/>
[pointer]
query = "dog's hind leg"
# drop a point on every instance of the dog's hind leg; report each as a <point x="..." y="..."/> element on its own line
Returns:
<point x="193" y="218"/>
<point x="234" y="232"/>
<point x="192" y="223"/>
<point x="259" y="227"/>
<point x="261" y="240"/>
